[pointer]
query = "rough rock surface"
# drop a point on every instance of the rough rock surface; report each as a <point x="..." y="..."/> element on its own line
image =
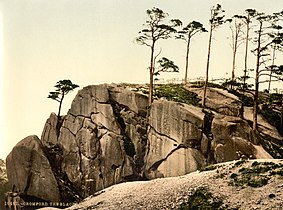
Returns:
<point x="49" y="135"/>
<point x="220" y="101"/>
<point x="106" y="138"/>
<point x="101" y="138"/>
<point x="174" y="139"/>
<point x="29" y="170"/>
<point x="233" y="138"/>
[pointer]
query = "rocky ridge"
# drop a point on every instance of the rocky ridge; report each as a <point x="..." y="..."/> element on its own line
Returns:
<point x="109" y="137"/>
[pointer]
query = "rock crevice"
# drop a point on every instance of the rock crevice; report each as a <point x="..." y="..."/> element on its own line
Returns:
<point x="106" y="138"/>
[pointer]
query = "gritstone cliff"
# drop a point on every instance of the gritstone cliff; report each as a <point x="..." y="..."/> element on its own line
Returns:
<point x="110" y="136"/>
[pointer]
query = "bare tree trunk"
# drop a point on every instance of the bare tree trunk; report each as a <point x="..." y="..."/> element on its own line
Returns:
<point x="60" y="104"/>
<point x="234" y="64"/>
<point x="246" y="54"/>
<point x="235" y="47"/>
<point x="151" y="72"/>
<point x="270" y="74"/>
<point x="281" y="124"/>
<point x="255" y="110"/>
<point x="207" y="69"/>
<point x="187" y="61"/>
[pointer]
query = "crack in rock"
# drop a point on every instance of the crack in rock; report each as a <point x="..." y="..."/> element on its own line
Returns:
<point x="157" y="164"/>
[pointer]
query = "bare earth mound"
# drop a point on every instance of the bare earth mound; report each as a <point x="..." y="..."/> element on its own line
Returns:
<point x="256" y="184"/>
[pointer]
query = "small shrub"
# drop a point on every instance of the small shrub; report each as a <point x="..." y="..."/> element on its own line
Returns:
<point x="239" y="163"/>
<point x="209" y="168"/>
<point x="233" y="175"/>
<point x="257" y="175"/>
<point x="202" y="199"/>
<point x="271" y="116"/>
<point x="258" y="181"/>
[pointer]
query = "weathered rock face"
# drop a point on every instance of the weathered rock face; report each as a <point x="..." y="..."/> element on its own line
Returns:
<point x="106" y="139"/>
<point x="175" y="138"/>
<point x="233" y="139"/>
<point x="102" y="138"/>
<point x="49" y="135"/>
<point x="29" y="170"/>
<point x="221" y="101"/>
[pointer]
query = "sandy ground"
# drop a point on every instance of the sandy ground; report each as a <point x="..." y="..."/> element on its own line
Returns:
<point x="170" y="193"/>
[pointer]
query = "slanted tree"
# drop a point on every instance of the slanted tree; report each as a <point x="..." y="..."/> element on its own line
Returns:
<point x="165" y="65"/>
<point x="155" y="29"/>
<point x="63" y="87"/>
<point x="186" y="34"/>
<point x="216" y="19"/>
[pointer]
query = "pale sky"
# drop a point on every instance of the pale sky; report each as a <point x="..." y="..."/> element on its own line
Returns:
<point x="92" y="42"/>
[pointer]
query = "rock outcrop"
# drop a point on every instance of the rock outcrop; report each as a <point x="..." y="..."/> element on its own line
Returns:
<point x="110" y="135"/>
<point x="29" y="170"/>
<point x="220" y="101"/>
<point x="102" y="138"/>
<point x="174" y="139"/>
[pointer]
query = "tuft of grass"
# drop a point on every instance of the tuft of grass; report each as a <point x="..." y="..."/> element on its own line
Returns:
<point x="209" y="168"/>
<point x="201" y="199"/>
<point x="239" y="163"/>
<point x="175" y="92"/>
<point x="257" y="175"/>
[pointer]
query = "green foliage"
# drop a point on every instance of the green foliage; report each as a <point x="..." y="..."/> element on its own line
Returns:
<point x="175" y="92"/>
<point x="190" y="30"/>
<point x="217" y="16"/>
<point x="275" y="97"/>
<point x="63" y="87"/>
<point x="271" y="116"/>
<point x="271" y="108"/>
<point x="155" y="28"/>
<point x="239" y="163"/>
<point x="201" y="199"/>
<point x="209" y="84"/>
<point x="209" y="168"/>
<point x="257" y="175"/>
<point x="166" y="65"/>
<point x="274" y="149"/>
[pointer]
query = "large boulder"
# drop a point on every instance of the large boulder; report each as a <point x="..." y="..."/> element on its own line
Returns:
<point x="29" y="171"/>
<point x="100" y="137"/>
<point x="49" y="136"/>
<point x="233" y="138"/>
<point x="174" y="139"/>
